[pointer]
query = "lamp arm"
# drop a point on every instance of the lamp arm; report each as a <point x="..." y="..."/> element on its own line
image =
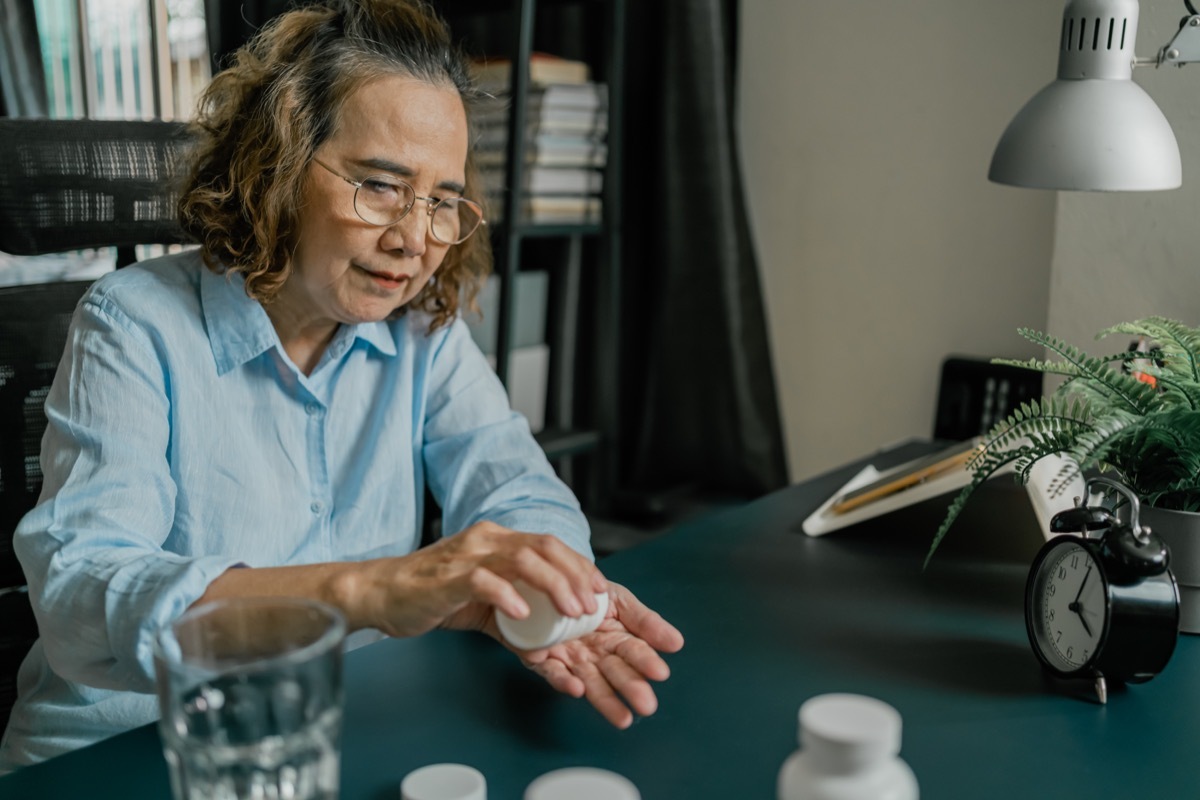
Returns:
<point x="1185" y="47"/>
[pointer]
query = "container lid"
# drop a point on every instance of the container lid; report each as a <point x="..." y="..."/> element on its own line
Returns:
<point x="444" y="782"/>
<point x="847" y="731"/>
<point x="582" y="783"/>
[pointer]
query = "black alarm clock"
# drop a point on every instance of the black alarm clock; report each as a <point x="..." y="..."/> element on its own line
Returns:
<point x="1102" y="605"/>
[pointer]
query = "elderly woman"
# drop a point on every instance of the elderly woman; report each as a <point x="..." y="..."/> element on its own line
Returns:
<point x="263" y="415"/>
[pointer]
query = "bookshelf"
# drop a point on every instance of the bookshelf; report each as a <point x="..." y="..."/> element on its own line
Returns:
<point x="581" y="257"/>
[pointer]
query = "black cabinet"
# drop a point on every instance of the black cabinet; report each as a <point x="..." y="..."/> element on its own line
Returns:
<point x="581" y="259"/>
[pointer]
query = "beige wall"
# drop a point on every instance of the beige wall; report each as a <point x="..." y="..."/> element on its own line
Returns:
<point x="866" y="131"/>
<point x="1124" y="256"/>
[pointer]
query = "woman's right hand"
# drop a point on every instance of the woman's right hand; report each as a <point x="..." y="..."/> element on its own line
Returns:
<point x="459" y="580"/>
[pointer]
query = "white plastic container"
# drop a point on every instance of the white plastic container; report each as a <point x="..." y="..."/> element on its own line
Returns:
<point x="444" y="782"/>
<point x="849" y="750"/>
<point x="545" y="626"/>
<point x="582" y="783"/>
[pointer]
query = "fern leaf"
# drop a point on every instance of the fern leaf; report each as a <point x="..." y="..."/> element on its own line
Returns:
<point x="952" y="513"/>
<point x="1138" y="396"/>
<point x="1103" y="418"/>
<point x="987" y="464"/>
<point x="1178" y="345"/>
<point x="1175" y="359"/>
<point x="1047" y="367"/>
<point x="1175" y="391"/>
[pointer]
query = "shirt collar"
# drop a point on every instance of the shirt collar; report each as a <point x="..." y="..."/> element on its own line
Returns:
<point x="378" y="335"/>
<point x="240" y="330"/>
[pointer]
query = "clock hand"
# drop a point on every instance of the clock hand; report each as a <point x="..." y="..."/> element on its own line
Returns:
<point x="1075" y="605"/>
<point x="1083" y="619"/>
<point x="1082" y="584"/>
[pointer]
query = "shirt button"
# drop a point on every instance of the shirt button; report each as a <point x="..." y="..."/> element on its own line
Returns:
<point x="313" y="409"/>
<point x="316" y="507"/>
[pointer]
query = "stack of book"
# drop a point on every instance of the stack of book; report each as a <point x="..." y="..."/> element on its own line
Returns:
<point x="565" y="150"/>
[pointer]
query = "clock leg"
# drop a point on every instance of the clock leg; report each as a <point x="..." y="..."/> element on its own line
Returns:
<point x="1101" y="690"/>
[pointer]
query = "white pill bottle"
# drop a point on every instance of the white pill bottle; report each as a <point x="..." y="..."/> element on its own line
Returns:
<point x="849" y="750"/>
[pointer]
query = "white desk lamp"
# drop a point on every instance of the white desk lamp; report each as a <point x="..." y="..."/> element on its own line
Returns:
<point x="1094" y="128"/>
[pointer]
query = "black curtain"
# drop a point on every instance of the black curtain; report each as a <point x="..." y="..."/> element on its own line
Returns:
<point x="698" y="409"/>
<point x="699" y="390"/>
<point x="22" y="81"/>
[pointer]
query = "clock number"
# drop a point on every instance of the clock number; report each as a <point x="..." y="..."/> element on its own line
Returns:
<point x="1070" y="651"/>
<point x="1050" y="616"/>
<point x="1051" y="589"/>
<point x="1075" y="561"/>
<point x="1057" y="637"/>
<point x="1062" y="572"/>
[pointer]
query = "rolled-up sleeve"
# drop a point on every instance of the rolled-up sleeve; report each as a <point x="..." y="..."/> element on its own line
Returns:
<point x="481" y="460"/>
<point x="91" y="550"/>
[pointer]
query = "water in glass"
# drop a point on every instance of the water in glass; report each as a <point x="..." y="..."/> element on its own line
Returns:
<point x="240" y="762"/>
<point x="251" y="696"/>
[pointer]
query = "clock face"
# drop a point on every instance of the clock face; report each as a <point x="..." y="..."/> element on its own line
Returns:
<point x="1068" y="607"/>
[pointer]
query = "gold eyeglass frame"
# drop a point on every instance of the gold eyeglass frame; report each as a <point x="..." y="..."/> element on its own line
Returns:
<point x="432" y="203"/>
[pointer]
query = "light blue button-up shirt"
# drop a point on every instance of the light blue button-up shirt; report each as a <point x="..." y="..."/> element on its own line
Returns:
<point x="182" y="441"/>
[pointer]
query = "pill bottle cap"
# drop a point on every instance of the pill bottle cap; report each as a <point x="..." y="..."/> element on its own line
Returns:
<point x="444" y="782"/>
<point x="845" y="732"/>
<point x="582" y="783"/>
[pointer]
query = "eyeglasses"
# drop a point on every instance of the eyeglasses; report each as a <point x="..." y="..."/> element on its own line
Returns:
<point x="382" y="200"/>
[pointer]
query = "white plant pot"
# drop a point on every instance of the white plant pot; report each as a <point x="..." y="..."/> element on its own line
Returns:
<point x="1181" y="531"/>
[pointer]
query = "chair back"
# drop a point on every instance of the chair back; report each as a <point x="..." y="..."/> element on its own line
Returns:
<point x="74" y="184"/>
<point x="33" y="332"/>
<point x="974" y="394"/>
<point x="65" y="185"/>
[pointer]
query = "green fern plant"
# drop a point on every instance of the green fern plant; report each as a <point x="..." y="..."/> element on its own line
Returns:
<point x="1145" y="430"/>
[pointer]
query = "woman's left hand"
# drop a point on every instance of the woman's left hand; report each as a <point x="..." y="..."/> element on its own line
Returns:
<point x="613" y="665"/>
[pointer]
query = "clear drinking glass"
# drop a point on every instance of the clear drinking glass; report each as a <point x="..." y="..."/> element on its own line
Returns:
<point x="251" y="698"/>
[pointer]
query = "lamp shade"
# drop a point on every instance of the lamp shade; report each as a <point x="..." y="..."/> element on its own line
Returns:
<point x="1097" y="135"/>
<point x="1093" y="128"/>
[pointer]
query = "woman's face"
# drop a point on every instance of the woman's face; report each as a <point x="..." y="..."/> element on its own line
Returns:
<point x="344" y="269"/>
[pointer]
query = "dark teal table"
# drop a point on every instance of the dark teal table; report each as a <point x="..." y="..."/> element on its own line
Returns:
<point x="771" y="617"/>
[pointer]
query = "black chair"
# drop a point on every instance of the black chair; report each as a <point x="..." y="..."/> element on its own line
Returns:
<point x="65" y="185"/>
<point x="76" y="184"/>
<point x="975" y="394"/>
<point x="33" y="328"/>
